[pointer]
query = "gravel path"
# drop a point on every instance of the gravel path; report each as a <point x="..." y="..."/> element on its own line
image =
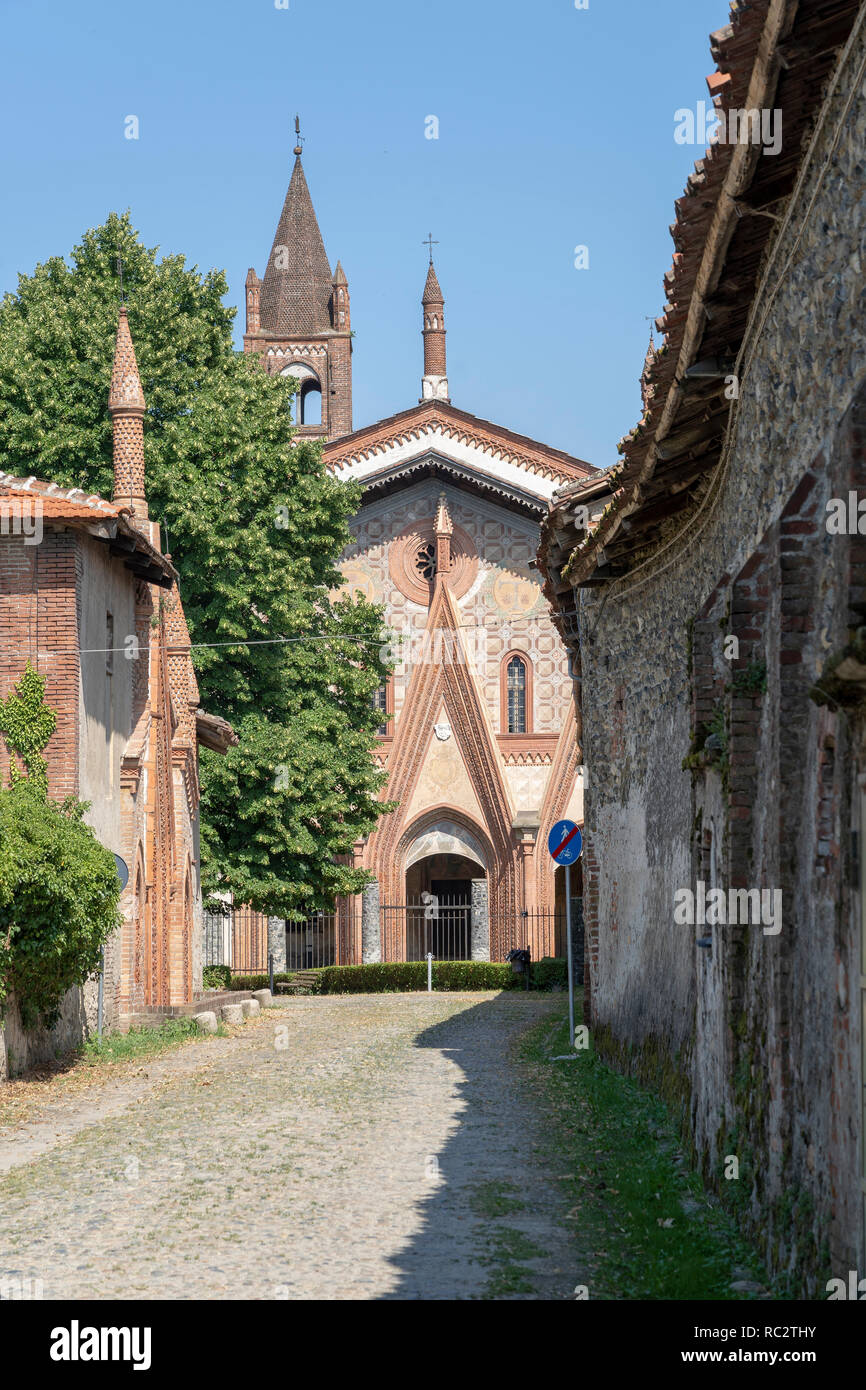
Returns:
<point x="354" y="1147"/>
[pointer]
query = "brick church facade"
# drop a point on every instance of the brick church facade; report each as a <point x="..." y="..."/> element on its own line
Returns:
<point x="93" y="603"/>
<point x="478" y="735"/>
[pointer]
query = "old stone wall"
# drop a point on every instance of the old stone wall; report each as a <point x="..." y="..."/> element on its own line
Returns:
<point x="22" y="1048"/>
<point x="757" y="1032"/>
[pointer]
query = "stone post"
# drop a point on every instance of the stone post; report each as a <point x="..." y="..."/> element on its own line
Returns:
<point x="371" y="932"/>
<point x="480" y="920"/>
<point x="277" y="943"/>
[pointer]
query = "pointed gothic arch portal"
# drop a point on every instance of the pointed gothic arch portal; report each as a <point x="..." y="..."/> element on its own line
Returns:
<point x="443" y="857"/>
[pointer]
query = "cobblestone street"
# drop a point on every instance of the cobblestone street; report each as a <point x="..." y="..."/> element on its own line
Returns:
<point x="346" y="1147"/>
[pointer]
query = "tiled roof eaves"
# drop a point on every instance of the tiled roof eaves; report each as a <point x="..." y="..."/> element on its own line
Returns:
<point x="719" y="249"/>
<point x="382" y="483"/>
<point x="469" y="429"/>
<point x="701" y="234"/>
<point x="87" y="510"/>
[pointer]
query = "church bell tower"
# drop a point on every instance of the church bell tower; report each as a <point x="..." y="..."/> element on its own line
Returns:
<point x="298" y="317"/>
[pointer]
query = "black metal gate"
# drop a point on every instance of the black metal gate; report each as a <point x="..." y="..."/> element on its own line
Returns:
<point x="441" y="925"/>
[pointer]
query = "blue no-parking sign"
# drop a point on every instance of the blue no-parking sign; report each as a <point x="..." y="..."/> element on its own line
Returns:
<point x="565" y="842"/>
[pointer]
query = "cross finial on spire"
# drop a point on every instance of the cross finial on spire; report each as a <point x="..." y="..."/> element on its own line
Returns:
<point x="429" y="243"/>
<point x="120" y="273"/>
<point x="299" y="145"/>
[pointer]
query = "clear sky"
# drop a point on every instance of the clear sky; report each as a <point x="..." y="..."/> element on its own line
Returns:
<point x="556" y="130"/>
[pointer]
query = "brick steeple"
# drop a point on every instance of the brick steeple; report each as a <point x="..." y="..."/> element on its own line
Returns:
<point x="434" y="387"/>
<point x="298" y="316"/>
<point x="296" y="290"/>
<point x="126" y="408"/>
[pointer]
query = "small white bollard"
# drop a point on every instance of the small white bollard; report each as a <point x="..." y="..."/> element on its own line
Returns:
<point x="429" y="972"/>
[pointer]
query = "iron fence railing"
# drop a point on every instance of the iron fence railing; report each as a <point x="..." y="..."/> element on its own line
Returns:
<point x="240" y="938"/>
<point x="441" y="926"/>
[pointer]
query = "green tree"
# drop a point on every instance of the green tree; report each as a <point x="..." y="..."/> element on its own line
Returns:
<point x="59" y="888"/>
<point x="255" y="525"/>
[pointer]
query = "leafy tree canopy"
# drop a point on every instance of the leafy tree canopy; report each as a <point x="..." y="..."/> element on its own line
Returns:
<point x="255" y="525"/>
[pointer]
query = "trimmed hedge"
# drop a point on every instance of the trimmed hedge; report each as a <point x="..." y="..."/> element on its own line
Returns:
<point x="217" y="977"/>
<point x="401" y="977"/>
<point x="257" y="981"/>
<point x="551" y="972"/>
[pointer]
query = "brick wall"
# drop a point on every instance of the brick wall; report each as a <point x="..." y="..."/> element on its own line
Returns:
<point x="126" y="742"/>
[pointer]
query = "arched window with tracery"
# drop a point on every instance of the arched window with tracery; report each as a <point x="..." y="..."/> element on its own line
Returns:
<point x="383" y="702"/>
<point x="516" y="694"/>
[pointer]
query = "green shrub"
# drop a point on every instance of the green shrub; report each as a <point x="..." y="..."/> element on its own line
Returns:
<point x="59" y="888"/>
<point x="551" y="972"/>
<point x="401" y="977"/>
<point x="256" y="981"/>
<point x="59" y="892"/>
<point x="217" y="977"/>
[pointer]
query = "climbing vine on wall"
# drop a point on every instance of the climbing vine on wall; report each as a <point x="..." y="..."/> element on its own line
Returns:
<point x="27" y="724"/>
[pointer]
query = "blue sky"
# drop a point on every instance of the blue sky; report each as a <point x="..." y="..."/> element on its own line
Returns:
<point x="555" y="130"/>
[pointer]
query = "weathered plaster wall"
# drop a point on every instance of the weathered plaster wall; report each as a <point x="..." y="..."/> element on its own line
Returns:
<point x="105" y="715"/>
<point x="22" y="1048"/>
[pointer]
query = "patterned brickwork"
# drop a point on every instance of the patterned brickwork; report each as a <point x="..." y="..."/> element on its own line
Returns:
<point x="126" y="407"/>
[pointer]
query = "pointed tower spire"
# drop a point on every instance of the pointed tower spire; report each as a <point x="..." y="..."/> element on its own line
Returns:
<point x="126" y="408"/>
<point x="435" y="384"/>
<point x="296" y="290"/>
<point x="298" y="315"/>
<point x="253" y="289"/>
<point x="342" y="313"/>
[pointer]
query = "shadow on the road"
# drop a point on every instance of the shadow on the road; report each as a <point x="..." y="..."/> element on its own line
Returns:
<point x="488" y="1213"/>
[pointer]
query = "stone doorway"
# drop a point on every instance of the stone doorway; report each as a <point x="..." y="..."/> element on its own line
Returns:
<point x="439" y="914"/>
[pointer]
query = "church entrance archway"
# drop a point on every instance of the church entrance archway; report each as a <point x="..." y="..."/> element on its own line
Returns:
<point x="439" y="907"/>
<point x="441" y="863"/>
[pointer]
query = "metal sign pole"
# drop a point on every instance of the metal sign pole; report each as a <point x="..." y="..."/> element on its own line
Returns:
<point x="429" y="972"/>
<point x="570" y="955"/>
<point x="565" y="844"/>
<point x="99" y="996"/>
